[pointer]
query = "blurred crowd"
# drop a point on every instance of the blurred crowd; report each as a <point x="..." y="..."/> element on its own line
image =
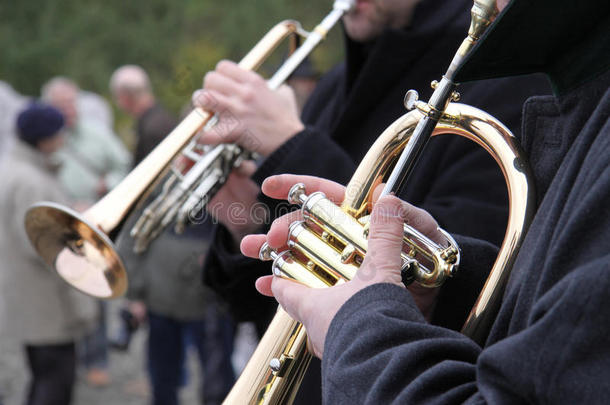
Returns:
<point x="61" y="146"/>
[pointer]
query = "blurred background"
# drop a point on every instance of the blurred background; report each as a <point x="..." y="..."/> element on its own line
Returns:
<point x="176" y="42"/>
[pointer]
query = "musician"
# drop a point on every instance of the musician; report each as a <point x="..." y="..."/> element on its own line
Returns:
<point x="549" y="343"/>
<point x="391" y="46"/>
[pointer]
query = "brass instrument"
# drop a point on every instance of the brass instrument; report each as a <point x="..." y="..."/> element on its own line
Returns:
<point x="185" y="194"/>
<point x="327" y="247"/>
<point x="78" y="246"/>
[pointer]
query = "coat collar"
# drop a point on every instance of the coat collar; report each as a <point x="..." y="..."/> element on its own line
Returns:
<point x="566" y="39"/>
<point x="373" y="70"/>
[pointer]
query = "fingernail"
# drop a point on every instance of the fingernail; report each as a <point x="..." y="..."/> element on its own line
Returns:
<point x="195" y="98"/>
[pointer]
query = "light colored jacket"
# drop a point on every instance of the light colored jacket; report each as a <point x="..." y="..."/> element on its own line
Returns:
<point x="91" y="153"/>
<point x="36" y="305"/>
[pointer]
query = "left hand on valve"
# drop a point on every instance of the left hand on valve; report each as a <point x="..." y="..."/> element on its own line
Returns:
<point x="316" y="308"/>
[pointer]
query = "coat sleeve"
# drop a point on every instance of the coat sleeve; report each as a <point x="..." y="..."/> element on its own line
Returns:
<point x="118" y="159"/>
<point x="405" y="360"/>
<point x="311" y="152"/>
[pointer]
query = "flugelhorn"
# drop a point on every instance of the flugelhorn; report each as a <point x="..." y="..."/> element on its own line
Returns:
<point x="79" y="247"/>
<point x="324" y="244"/>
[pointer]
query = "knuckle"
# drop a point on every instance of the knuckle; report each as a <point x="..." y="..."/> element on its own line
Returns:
<point x="223" y="65"/>
<point x="209" y="78"/>
<point x="248" y="94"/>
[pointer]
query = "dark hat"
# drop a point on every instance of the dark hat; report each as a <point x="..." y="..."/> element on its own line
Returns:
<point x="37" y="122"/>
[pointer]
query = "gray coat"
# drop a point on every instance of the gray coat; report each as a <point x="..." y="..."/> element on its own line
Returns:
<point x="167" y="276"/>
<point x="36" y="306"/>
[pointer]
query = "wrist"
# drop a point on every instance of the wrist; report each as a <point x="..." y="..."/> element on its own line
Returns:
<point x="291" y="129"/>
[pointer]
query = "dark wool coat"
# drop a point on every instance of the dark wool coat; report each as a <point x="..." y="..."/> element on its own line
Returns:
<point x="353" y="104"/>
<point x="153" y="126"/>
<point x="549" y="343"/>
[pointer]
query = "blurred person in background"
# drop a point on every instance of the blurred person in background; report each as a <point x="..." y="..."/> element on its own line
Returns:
<point x="93" y="160"/>
<point x="132" y="92"/>
<point x="39" y="310"/>
<point x="164" y="287"/>
<point x="94" y="107"/>
<point x="11" y="103"/>
<point x="165" y="292"/>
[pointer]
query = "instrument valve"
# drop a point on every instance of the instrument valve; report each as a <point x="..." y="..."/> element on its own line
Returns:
<point x="411" y="99"/>
<point x="348" y="253"/>
<point x="297" y="195"/>
<point x="280" y="366"/>
<point x="449" y="254"/>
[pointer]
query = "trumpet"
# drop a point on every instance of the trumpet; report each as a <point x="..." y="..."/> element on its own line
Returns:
<point x="328" y="246"/>
<point x="79" y="247"/>
<point x="185" y="194"/>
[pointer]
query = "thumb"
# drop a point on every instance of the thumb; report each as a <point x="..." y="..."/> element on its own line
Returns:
<point x="292" y="296"/>
<point x="382" y="262"/>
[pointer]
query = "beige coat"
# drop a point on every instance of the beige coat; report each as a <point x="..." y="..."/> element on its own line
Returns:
<point x="36" y="306"/>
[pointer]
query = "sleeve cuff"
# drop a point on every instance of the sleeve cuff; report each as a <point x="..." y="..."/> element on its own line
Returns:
<point x="273" y="161"/>
<point x="363" y="300"/>
<point x="459" y="293"/>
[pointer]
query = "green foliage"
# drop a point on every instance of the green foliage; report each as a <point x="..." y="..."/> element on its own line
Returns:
<point x="175" y="41"/>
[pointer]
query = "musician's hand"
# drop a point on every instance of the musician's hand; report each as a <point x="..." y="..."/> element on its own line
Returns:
<point x="317" y="307"/>
<point x="251" y="114"/>
<point x="235" y="204"/>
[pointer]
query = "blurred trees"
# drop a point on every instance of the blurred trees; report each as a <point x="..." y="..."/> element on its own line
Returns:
<point x="175" y="41"/>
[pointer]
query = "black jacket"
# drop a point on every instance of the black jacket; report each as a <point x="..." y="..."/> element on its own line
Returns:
<point x="153" y="126"/>
<point x="354" y="103"/>
<point x="549" y="343"/>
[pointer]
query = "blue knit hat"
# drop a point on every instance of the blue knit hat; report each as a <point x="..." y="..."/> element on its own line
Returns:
<point x="37" y="122"/>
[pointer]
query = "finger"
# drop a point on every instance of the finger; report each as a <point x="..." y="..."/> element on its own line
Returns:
<point x="233" y="71"/>
<point x="228" y="129"/>
<point x="263" y="285"/>
<point x="278" y="233"/>
<point x="246" y="169"/>
<point x="279" y="186"/>
<point x="223" y="84"/>
<point x="422" y="221"/>
<point x="204" y="99"/>
<point x="377" y="192"/>
<point x="416" y="217"/>
<point x="251" y="245"/>
<point x="292" y="296"/>
<point x="383" y="260"/>
<point x="287" y="93"/>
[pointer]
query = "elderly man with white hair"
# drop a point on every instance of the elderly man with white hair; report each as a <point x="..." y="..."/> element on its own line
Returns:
<point x="131" y="89"/>
<point x="94" y="160"/>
